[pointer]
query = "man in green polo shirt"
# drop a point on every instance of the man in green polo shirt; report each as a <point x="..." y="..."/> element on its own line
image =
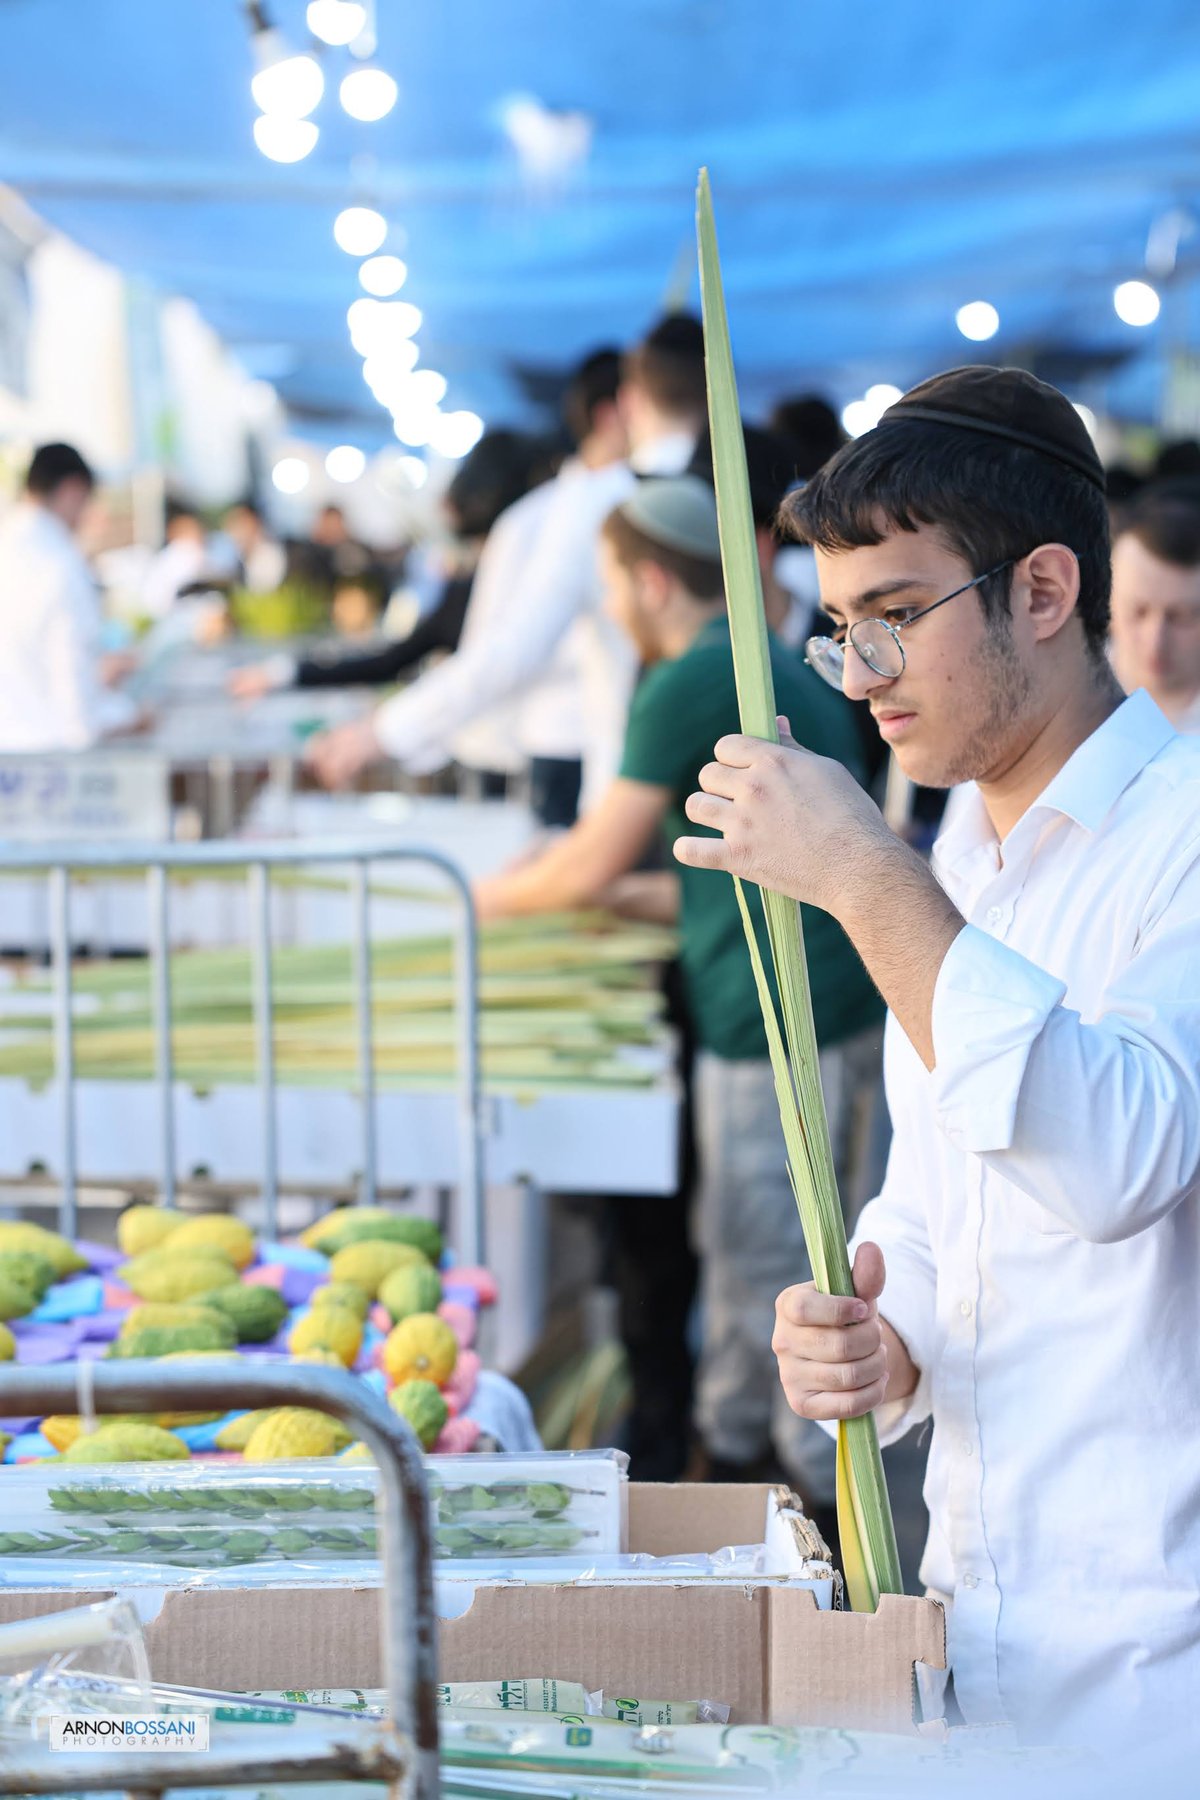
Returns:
<point x="662" y="570"/>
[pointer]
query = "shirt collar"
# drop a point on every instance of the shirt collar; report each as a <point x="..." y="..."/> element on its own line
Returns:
<point x="665" y="456"/>
<point x="1090" y="783"/>
<point x="1086" y="788"/>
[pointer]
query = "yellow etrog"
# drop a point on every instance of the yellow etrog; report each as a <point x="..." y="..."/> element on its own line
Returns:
<point x="173" y="1275"/>
<point x="124" y="1443"/>
<point x="328" y="1328"/>
<point x="367" y="1264"/>
<point x="292" y="1431"/>
<point x="217" y="1231"/>
<point x="420" y="1348"/>
<point x="65" y="1260"/>
<point x="146" y="1227"/>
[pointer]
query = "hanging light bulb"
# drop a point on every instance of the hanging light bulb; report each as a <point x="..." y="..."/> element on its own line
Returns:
<point x="368" y="94"/>
<point x="286" y="86"/>
<point x="1137" y="303"/>
<point x="380" y="324"/>
<point x="383" y="275"/>
<point x="359" y="230"/>
<point x="285" y="140"/>
<point x="336" y="22"/>
<point x="978" y="320"/>
<point x="456" y="433"/>
<point x="345" y="463"/>
<point x="290" y="475"/>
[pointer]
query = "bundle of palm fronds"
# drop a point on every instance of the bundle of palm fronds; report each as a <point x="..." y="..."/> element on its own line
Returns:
<point x="567" y="1000"/>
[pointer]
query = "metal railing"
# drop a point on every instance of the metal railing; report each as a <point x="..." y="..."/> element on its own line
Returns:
<point x="60" y="862"/>
<point x="404" y="1750"/>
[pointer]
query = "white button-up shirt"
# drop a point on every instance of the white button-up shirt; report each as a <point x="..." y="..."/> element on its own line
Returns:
<point x="1041" y="1228"/>
<point x="50" y="694"/>
<point x="558" y="591"/>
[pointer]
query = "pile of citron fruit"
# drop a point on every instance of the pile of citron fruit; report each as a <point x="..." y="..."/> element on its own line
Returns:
<point x="192" y="1300"/>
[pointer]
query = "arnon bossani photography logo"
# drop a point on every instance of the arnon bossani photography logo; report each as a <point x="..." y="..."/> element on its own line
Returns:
<point x="131" y="1731"/>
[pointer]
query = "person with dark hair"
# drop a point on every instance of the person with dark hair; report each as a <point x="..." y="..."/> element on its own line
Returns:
<point x="1028" y="1274"/>
<point x="262" y="556"/>
<point x="1155" y="641"/>
<point x="51" y="693"/>
<point x="556" y="590"/>
<point x="662" y="564"/>
<point x="812" y="430"/>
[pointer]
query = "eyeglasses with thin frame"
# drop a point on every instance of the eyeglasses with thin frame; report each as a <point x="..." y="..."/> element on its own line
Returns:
<point x="877" y="641"/>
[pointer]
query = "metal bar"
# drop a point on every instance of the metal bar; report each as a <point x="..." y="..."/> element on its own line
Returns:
<point x="219" y="855"/>
<point x="366" y="1034"/>
<point x="471" y="1232"/>
<point x="64" y="1044"/>
<point x="160" y="980"/>
<point x="407" y="1621"/>
<point x="264" y="1020"/>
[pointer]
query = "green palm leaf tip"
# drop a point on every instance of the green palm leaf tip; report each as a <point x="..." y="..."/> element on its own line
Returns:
<point x="868" y="1538"/>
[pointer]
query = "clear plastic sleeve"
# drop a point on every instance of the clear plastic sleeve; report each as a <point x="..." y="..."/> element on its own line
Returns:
<point x="240" y="1524"/>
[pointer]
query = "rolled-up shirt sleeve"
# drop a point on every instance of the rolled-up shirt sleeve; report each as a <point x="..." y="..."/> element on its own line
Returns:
<point x="1096" y="1119"/>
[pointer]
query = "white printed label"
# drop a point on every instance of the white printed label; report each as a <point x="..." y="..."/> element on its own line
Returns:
<point x="132" y="1731"/>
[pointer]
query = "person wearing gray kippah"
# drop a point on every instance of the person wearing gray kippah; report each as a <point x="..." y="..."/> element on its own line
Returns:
<point x="1028" y="1276"/>
<point x="662" y="562"/>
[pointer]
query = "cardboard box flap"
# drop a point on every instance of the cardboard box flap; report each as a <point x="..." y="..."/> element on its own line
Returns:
<point x="702" y="1643"/>
<point x="856" y="1670"/>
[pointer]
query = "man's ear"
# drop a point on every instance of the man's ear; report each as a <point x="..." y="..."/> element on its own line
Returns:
<point x="655" y="585"/>
<point x="1050" y="577"/>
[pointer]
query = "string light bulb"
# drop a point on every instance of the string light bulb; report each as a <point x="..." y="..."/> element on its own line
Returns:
<point x="368" y="94"/>
<point x="383" y="276"/>
<point x="1136" y="303"/>
<point x="336" y="22"/>
<point x="359" y="230"/>
<point x="978" y="320"/>
<point x="285" y="140"/>
<point x="285" y="86"/>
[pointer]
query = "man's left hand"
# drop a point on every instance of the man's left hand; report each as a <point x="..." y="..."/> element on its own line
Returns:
<point x="789" y="820"/>
<point x="336" y="757"/>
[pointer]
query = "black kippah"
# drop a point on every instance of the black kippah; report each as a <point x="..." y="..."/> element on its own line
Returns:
<point x="1004" y="403"/>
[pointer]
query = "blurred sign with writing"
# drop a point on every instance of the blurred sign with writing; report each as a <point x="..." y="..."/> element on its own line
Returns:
<point x="116" y="796"/>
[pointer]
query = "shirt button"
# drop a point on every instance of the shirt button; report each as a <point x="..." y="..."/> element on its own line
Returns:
<point x="995" y="914"/>
<point x="964" y="1307"/>
<point x="970" y="1581"/>
<point x="968" y="1449"/>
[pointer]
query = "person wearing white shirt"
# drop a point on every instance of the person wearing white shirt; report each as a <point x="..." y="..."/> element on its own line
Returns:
<point x="1028" y="1275"/>
<point x="1155" y="642"/>
<point x="662" y="403"/>
<point x="51" y="693"/>
<point x="263" y="557"/>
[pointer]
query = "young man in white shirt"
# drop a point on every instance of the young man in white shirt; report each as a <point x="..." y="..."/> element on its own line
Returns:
<point x="1156" y="601"/>
<point x="51" y="693"/>
<point x="559" y="590"/>
<point x="1029" y="1273"/>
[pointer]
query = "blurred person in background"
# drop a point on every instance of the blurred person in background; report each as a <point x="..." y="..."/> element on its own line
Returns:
<point x="660" y="410"/>
<point x="263" y="558"/>
<point x="179" y="566"/>
<point x="341" y="558"/>
<point x="662" y="565"/>
<point x="1155" y="631"/>
<point x="52" y="690"/>
<point x="494" y="475"/>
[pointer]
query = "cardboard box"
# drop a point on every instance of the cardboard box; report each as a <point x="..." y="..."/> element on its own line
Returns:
<point x="771" y="1653"/>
